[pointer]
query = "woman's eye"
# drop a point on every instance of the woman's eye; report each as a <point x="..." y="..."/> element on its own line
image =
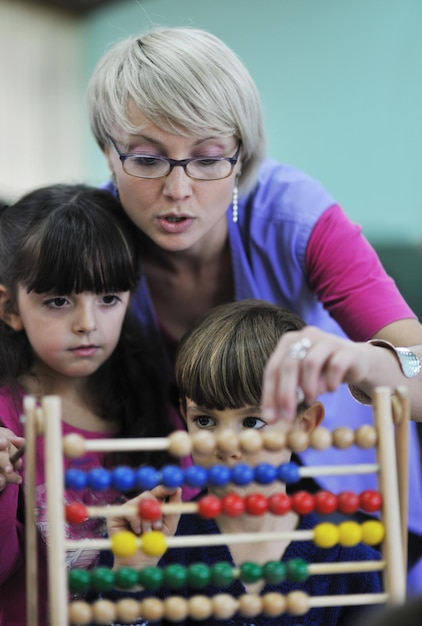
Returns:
<point x="253" y="422"/>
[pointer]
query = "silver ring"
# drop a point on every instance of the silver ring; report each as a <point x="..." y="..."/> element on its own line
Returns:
<point x="299" y="350"/>
<point x="300" y="395"/>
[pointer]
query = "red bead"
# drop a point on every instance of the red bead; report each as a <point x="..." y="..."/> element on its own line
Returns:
<point x="149" y="509"/>
<point x="348" y="502"/>
<point x="279" y="504"/>
<point x="303" y="502"/>
<point x="76" y="513"/>
<point x="325" y="502"/>
<point x="370" y="501"/>
<point x="233" y="505"/>
<point x="256" y="504"/>
<point x="209" y="507"/>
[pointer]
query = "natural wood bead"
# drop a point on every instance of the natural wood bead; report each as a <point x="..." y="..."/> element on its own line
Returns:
<point x="297" y="440"/>
<point x="273" y="604"/>
<point x="79" y="613"/>
<point x="203" y="442"/>
<point x="103" y="612"/>
<point x="180" y="443"/>
<point x="227" y="441"/>
<point x="152" y="609"/>
<point x="274" y="441"/>
<point x="73" y="446"/>
<point x="200" y="607"/>
<point x="250" y="605"/>
<point x="128" y="610"/>
<point x="175" y="608"/>
<point x="297" y="603"/>
<point x="366" y="436"/>
<point x="343" y="437"/>
<point x="250" y="440"/>
<point x="224" y="606"/>
<point x="321" y="438"/>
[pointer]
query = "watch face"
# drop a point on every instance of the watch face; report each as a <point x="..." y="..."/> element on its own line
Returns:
<point x="410" y="364"/>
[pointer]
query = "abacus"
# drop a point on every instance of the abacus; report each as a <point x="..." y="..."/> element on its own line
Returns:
<point x="388" y="434"/>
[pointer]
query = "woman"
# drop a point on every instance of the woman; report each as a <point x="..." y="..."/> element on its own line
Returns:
<point x="179" y="120"/>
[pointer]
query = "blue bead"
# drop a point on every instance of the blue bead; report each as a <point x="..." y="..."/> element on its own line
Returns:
<point x="99" y="479"/>
<point x="196" y="476"/>
<point x="147" y="478"/>
<point x="288" y="473"/>
<point x="123" y="478"/>
<point x="219" y="475"/>
<point x="242" y="474"/>
<point x="265" y="473"/>
<point x="75" y="478"/>
<point x="172" y="476"/>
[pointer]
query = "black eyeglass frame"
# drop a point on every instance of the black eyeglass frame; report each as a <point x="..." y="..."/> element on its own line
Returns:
<point x="176" y="162"/>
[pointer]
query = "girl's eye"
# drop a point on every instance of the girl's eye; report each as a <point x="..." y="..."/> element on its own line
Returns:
<point x="110" y="299"/>
<point x="56" y="303"/>
<point x="203" y="421"/>
<point x="253" y="422"/>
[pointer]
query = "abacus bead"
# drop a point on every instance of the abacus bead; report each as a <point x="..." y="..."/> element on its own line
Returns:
<point x="219" y="475"/>
<point x="79" y="613"/>
<point x="227" y="441"/>
<point x="326" y="535"/>
<point x="149" y="509"/>
<point x="199" y="575"/>
<point x="366" y="436"/>
<point x="274" y="441"/>
<point x="256" y="504"/>
<point x="103" y="612"/>
<point x="297" y="440"/>
<point x="343" y="437"/>
<point x="179" y="443"/>
<point x="127" y="610"/>
<point x="154" y="543"/>
<point x="175" y="609"/>
<point x="222" y="574"/>
<point x="279" y="503"/>
<point x="372" y="532"/>
<point x="250" y="605"/>
<point x="147" y="478"/>
<point x="73" y="446"/>
<point x="274" y="572"/>
<point x="175" y="576"/>
<point x="152" y="609"/>
<point x="99" y="479"/>
<point x="224" y="606"/>
<point x="232" y="505"/>
<point x="273" y="604"/>
<point x="79" y="580"/>
<point x="76" y="513"/>
<point x="242" y="474"/>
<point x="126" y="578"/>
<point x="172" y="476"/>
<point x="209" y="506"/>
<point x="325" y="502"/>
<point x="123" y="478"/>
<point x="348" y="502"/>
<point x="250" y="572"/>
<point x="297" y="603"/>
<point x="297" y="570"/>
<point x="199" y="607"/>
<point x="151" y="578"/>
<point x="250" y="440"/>
<point x="203" y="442"/>
<point x="265" y="474"/>
<point x="288" y="473"/>
<point x="124" y="543"/>
<point x="321" y="438"/>
<point x="102" y="579"/>
<point x="75" y="478"/>
<point x="196" y="476"/>
<point x="370" y="500"/>
<point x="350" y="534"/>
<point x="303" y="502"/>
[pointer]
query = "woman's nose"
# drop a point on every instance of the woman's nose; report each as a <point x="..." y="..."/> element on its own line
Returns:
<point x="177" y="184"/>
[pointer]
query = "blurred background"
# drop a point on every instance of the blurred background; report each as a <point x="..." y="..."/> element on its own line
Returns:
<point x="341" y="85"/>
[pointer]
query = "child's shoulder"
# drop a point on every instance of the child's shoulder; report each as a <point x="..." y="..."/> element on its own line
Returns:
<point x="11" y="408"/>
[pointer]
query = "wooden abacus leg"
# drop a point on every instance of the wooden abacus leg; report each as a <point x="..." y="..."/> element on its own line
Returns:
<point x="29" y="407"/>
<point x="57" y="580"/>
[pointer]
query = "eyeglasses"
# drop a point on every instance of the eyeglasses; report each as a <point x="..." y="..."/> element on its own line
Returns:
<point x="207" y="168"/>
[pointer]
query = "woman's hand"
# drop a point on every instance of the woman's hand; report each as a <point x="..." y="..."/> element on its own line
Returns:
<point x="9" y="445"/>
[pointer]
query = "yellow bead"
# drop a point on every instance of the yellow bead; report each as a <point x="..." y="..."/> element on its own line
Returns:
<point x="373" y="532"/>
<point x="326" y="535"/>
<point x="154" y="543"/>
<point x="124" y="544"/>
<point x="350" y="534"/>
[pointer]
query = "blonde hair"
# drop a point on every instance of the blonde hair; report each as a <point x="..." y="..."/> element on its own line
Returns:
<point x="220" y="362"/>
<point x="184" y="80"/>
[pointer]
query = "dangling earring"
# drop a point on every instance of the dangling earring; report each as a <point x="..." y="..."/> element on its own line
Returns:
<point x="235" y="206"/>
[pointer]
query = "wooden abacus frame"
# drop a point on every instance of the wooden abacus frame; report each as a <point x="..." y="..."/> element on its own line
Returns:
<point x="390" y="415"/>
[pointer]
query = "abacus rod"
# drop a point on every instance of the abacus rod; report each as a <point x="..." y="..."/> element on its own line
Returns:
<point x="338" y="470"/>
<point x="345" y="567"/>
<point x="347" y="600"/>
<point x="402" y="451"/>
<point x="30" y="505"/>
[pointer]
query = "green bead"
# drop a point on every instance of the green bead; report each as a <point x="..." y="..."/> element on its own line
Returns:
<point x="102" y="579"/>
<point x="151" y="578"/>
<point x="250" y="572"/>
<point x="126" y="578"/>
<point x="274" y="572"/>
<point x="199" y="575"/>
<point x="175" y="576"/>
<point x="222" y="574"/>
<point x="79" y="580"/>
<point x="297" y="570"/>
